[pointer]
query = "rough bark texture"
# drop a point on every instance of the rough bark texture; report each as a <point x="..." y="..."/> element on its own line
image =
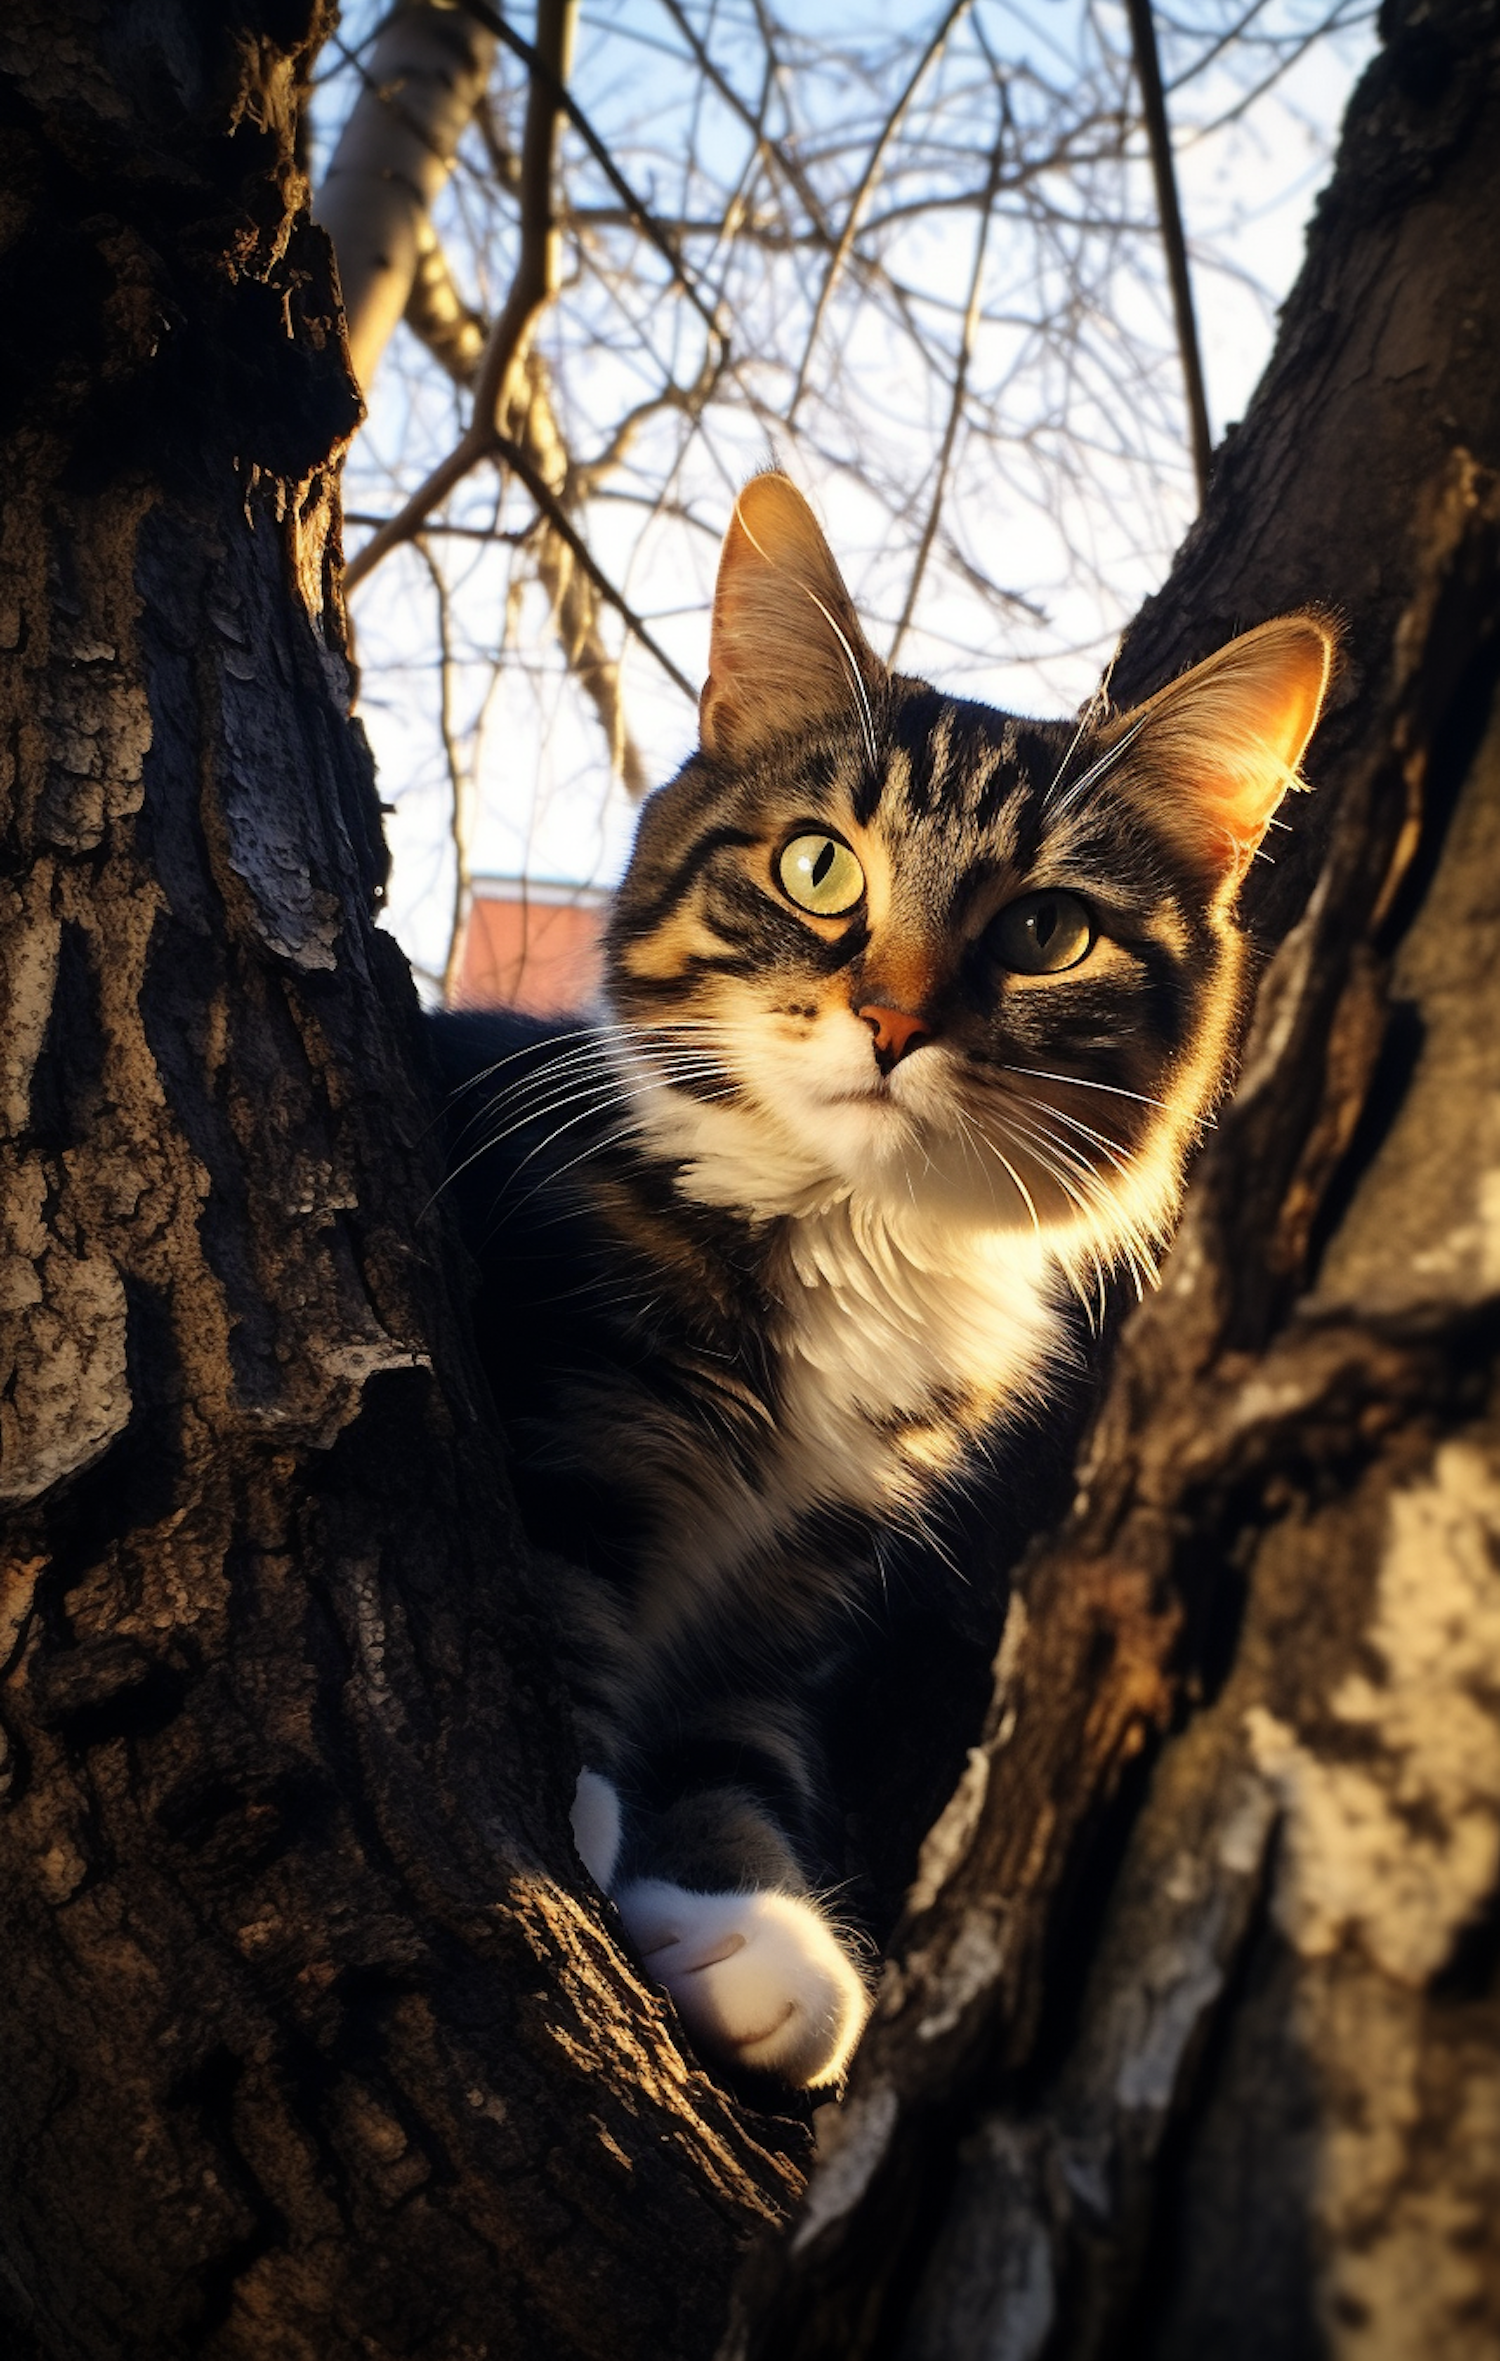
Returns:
<point x="313" y="2042"/>
<point x="1190" y="2048"/>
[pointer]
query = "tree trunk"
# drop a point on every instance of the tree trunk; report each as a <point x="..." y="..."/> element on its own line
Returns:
<point x="1192" y="2044"/>
<point x="314" y="2042"/>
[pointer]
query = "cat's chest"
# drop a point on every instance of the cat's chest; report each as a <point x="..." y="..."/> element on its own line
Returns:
<point x="896" y="1349"/>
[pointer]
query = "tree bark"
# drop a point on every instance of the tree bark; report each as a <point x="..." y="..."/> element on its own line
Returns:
<point x="315" y="2042"/>
<point x="1189" y="2045"/>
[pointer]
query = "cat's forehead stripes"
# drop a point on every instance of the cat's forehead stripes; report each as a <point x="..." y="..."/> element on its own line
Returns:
<point x="954" y="817"/>
<point x="951" y="822"/>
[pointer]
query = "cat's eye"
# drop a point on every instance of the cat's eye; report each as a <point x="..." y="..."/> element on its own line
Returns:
<point x="1041" y="934"/>
<point x="821" y="874"/>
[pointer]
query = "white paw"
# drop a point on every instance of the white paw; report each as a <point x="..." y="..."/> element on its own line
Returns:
<point x="596" y="1826"/>
<point x="759" y="1978"/>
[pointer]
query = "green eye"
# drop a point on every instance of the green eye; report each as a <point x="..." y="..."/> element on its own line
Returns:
<point x="1041" y="934"/>
<point x="821" y="875"/>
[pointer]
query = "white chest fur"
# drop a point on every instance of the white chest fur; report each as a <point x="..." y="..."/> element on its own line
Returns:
<point x="902" y="1327"/>
<point x="896" y="1340"/>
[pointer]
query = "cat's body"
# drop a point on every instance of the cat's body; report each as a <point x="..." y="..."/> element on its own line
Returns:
<point x="912" y="1011"/>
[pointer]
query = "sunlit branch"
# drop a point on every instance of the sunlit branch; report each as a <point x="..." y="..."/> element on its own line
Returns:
<point x="573" y="588"/>
<point x="455" y="337"/>
<point x="547" y="77"/>
<point x="437" y="314"/>
<point x="419" y="85"/>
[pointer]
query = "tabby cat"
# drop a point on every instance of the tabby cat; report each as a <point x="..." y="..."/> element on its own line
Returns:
<point x="912" y="1010"/>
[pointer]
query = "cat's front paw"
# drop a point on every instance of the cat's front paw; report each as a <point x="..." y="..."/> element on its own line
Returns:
<point x="760" y="1979"/>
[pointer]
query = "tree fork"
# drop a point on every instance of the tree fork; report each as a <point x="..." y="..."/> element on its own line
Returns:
<point x="315" y="2043"/>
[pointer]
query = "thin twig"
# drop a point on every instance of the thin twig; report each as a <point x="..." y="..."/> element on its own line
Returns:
<point x="1159" y="138"/>
<point x="1215" y="49"/>
<point x="490" y="535"/>
<point x="754" y="122"/>
<point x="960" y="385"/>
<point x="565" y="529"/>
<point x="857" y="202"/>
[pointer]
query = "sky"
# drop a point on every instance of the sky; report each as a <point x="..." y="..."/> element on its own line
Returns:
<point x="1070" y="482"/>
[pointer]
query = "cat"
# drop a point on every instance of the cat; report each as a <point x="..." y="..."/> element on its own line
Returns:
<point x="912" y="1012"/>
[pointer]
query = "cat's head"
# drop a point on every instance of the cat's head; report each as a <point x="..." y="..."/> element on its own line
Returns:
<point x="879" y="942"/>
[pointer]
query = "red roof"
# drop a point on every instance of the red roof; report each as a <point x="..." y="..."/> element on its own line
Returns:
<point x="535" y="947"/>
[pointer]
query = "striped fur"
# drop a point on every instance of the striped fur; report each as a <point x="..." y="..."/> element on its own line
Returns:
<point x="765" y="1293"/>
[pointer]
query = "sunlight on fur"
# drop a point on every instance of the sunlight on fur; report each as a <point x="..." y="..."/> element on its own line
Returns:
<point x="758" y="1976"/>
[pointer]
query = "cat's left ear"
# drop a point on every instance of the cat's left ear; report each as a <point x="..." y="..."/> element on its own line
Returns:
<point x="786" y="653"/>
<point x="1220" y="747"/>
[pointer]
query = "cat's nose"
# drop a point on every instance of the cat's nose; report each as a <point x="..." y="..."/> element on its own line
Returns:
<point x="896" y="1032"/>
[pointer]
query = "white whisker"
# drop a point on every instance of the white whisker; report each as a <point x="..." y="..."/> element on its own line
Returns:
<point x="1137" y="1246"/>
<point x="1021" y="1189"/>
<point x="867" y="719"/>
<point x="597" y="1100"/>
<point x="563" y="1170"/>
<point x="1098" y="770"/>
<point x="604" y="1088"/>
<point x="1079" y="1082"/>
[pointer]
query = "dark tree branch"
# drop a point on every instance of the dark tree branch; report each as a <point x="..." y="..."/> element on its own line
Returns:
<point x="562" y="524"/>
<point x="1159" y="139"/>
<point x="543" y="73"/>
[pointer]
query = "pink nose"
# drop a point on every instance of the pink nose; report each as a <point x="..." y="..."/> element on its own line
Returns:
<point x="896" y="1031"/>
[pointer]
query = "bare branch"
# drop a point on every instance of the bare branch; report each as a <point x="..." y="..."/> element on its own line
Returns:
<point x="460" y="781"/>
<point x="546" y="76"/>
<point x="574" y="588"/>
<point x="1014" y="394"/>
<point x="959" y="392"/>
<point x="455" y="336"/>
<point x="562" y="524"/>
<point x="773" y="150"/>
<point x="453" y="332"/>
<point x="424" y="73"/>
<point x="1158" y="134"/>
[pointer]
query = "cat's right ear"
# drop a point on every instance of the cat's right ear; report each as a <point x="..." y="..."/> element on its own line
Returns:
<point x="1222" y="745"/>
<point x="786" y="651"/>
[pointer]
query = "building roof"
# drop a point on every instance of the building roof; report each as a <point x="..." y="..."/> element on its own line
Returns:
<point x="531" y="944"/>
